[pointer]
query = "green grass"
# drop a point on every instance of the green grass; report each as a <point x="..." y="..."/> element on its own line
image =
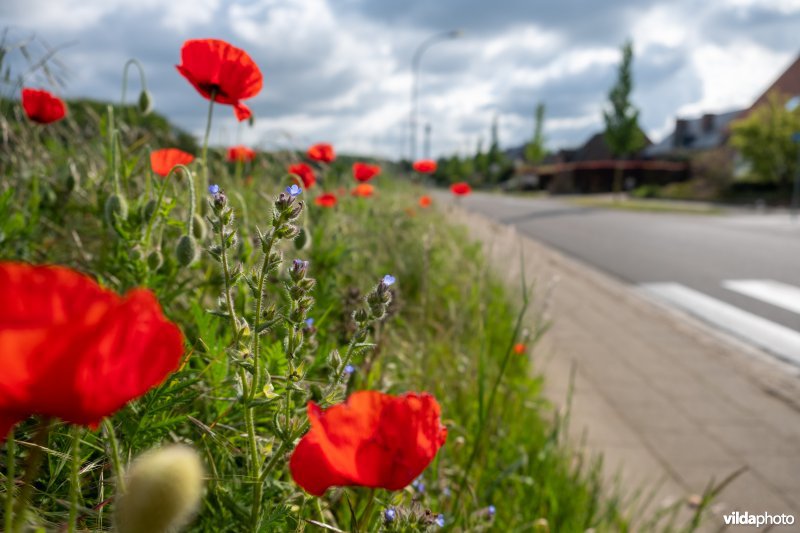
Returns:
<point x="449" y="330"/>
<point x="651" y="206"/>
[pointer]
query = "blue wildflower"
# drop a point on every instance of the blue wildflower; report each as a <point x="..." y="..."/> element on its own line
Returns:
<point x="309" y="322"/>
<point x="388" y="280"/>
<point x="446" y="492"/>
<point x="389" y="515"/>
<point x="491" y="510"/>
<point x="349" y="369"/>
<point x="293" y="190"/>
<point x="213" y="189"/>
<point x="439" y="520"/>
<point x="418" y="484"/>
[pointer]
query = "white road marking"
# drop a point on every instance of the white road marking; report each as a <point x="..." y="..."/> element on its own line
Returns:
<point x="772" y="292"/>
<point x="774" y="338"/>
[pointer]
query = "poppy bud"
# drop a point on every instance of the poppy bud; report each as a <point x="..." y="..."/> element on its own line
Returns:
<point x="164" y="488"/>
<point x="145" y="102"/>
<point x="334" y="359"/>
<point x="155" y="260"/>
<point x="302" y="241"/>
<point x="199" y="229"/>
<point x="116" y="207"/>
<point x="137" y="254"/>
<point x="149" y="210"/>
<point x="186" y="251"/>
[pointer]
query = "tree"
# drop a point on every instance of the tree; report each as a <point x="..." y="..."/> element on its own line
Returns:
<point x="622" y="134"/>
<point x="535" y="150"/>
<point x="764" y="139"/>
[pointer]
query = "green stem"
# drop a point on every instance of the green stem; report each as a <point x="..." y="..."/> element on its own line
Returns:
<point x="205" y="138"/>
<point x="32" y="465"/>
<point x="125" y="79"/>
<point x="226" y="276"/>
<point x="273" y="461"/>
<point x="255" y="464"/>
<point x="364" y="521"/>
<point x="11" y="476"/>
<point x="74" y="479"/>
<point x="257" y="319"/>
<point x="158" y="208"/>
<point x="116" y="458"/>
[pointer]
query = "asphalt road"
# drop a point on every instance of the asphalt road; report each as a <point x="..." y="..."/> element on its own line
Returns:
<point x="749" y="262"/>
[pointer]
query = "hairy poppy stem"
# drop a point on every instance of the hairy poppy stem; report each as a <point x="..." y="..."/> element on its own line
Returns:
<point x="116" y="458"/>
<point x="32" y="465"/>
<point x="142" y="80"/>
<point x="152" y="220"/>
<point x="74" y="478"/>
<point x="10" y="480"/>
<point x="206" y="136"/>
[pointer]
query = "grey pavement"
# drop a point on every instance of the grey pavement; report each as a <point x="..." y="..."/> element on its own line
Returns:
<point x="668" y="401"/>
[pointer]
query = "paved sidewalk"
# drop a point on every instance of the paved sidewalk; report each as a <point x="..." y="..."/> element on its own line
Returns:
<point x="665" y="399"/>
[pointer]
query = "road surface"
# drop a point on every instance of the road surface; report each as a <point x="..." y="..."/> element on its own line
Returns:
<point x="739" y="273"/>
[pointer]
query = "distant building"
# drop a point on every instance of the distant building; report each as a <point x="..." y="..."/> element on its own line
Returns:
<point x="693" y="135"/>
<point x="787" y="86"/>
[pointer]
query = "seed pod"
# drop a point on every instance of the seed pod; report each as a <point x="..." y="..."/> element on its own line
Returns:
<point x="163" y="490"/>
<point x="186" y="251"/>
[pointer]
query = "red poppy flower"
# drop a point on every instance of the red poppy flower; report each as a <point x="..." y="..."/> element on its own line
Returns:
<point x="305" y="173"/>
<point x="365" y="172"/>
<point x="163" y="161"/>
<point x="73" y="350"/>
<point x="364" y="190"/>
<point x="520" y="348"/>
<point x="43" y="107"/>
<point x="241" y="153"/>
<point x="322" y="152"/>
<point x="425" y="166"/>
<point x="214" y="66"/>
<point x="461" y="188"/>
<point x="425" y="201"/>
<point x="372" y="440"/>
<point x="325" y="200"/>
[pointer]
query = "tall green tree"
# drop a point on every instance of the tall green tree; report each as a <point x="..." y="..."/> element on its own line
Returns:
<point x="535" y="150"/>
<point x="764" y="139"/>
<point x="622" y="134"/>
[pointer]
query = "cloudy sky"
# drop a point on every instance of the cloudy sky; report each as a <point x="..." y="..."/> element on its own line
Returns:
<point x="340" y="70"/>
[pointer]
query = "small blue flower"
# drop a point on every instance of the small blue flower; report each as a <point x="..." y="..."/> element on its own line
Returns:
<point x="418" y="484"/>
<point x="439" y="520"/>
<point x="389" y="515"/>
<point x="388" y="280"/>
<point x="213" y="189"/>
<point x="309" y="322"/>
<point x="446" y="492"/>
<point x="349" y="369"/>
<point x="491" y="510"/>
<point x="293" y="190"/>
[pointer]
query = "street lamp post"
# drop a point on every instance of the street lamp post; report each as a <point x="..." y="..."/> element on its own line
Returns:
<point x="415" y="61"/>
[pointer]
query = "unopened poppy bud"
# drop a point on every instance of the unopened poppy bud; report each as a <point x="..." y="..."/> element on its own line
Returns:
<point x="145" y="102"/>
<point x="155" y="260"/>
<point x="149" y="210"/>
<point x="302" y="241"/>
<point x="199" y="229"/>
<point x="137" y="254"/>
<point x="116" y="207"/>
<point x="163" y="490"/>
<point x="186" y="251"/>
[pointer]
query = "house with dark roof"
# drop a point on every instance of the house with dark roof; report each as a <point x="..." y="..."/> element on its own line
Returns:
<point x="692" y="135"/>
<point x="786" y="86"/>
